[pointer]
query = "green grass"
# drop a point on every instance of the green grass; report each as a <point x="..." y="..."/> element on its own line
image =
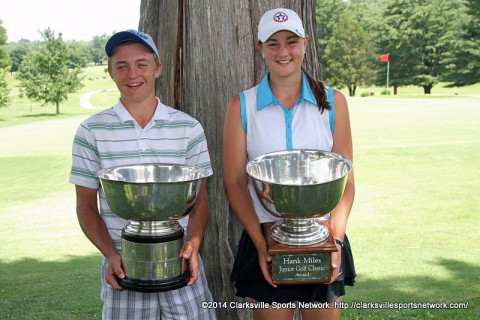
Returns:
<point x="416" y="214"/>
<point x="48" y="269"/>
<point x="413" y="227"/>
<point x="417" y="92"/>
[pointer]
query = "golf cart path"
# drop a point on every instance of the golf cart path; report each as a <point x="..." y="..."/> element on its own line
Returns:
<point x="85" y="99"/>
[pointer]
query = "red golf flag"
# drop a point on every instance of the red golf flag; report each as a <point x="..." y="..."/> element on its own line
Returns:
<point x="384" y="57"/>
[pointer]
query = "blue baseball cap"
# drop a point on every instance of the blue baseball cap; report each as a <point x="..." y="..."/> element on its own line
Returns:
<point x="131" y="36"/>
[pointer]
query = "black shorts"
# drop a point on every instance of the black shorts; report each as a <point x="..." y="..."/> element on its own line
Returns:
<point x="249" y="281"/>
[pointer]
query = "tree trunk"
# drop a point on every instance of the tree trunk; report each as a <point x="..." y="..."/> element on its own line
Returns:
<point x="208" y="51"/>
<point x="351" y="92"/>
<point x="427" y="89"/>
<point x="395" y="90"/>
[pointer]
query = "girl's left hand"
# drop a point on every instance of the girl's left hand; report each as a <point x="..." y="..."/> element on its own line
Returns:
<point x="336" y="262"/>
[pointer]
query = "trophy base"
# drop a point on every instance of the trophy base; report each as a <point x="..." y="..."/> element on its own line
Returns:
<point x="155" y="285"/>
<point x="299" y="232"/>
<point x="294" y="264"/>
<point x="150" y="254"/>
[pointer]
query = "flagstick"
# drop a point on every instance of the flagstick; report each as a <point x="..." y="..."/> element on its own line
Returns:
<point x="388" y="69"/>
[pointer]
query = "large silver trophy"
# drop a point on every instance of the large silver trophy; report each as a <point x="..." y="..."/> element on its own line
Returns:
<point x="152" y="197"/>
<point x="300" y="186"/>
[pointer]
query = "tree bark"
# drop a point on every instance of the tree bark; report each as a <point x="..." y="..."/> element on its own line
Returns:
<point x="427" y="89"/>
<point x="208" y="51"/>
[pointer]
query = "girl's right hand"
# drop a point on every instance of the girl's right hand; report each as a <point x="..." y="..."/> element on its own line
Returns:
<point x="264" y="261"/>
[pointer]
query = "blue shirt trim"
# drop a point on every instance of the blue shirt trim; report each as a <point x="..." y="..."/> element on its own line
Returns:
<point x="331" y="101"/>
<point x="243" y="110"/>
<point x="265" y="98"/>
<point x="265" y="94"/>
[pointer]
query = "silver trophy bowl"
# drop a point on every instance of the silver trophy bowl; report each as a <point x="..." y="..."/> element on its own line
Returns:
<point x="150" y="192"/>
<point x="152" y="197"/>
<point x="299" y="186"/>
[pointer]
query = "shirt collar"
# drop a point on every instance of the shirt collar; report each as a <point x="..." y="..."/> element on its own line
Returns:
<point x="161" y="112"/>
<point x="265" y="95"/>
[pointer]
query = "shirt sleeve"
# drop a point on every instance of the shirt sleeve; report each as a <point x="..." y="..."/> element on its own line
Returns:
<point x="85" y="159"/>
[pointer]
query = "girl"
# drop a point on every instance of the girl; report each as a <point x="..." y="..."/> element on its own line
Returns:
<point x="286" y="110"/>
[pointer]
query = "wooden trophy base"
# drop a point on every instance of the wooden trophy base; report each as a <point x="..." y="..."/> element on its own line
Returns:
<point x="300" y="264"/>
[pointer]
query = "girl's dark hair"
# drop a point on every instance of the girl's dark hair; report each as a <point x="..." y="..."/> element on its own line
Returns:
<point x="319" y="92"/>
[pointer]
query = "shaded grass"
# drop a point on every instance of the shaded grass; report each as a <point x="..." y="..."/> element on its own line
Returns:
<point x="37" y="289"/>
<point x="48" y="269"/>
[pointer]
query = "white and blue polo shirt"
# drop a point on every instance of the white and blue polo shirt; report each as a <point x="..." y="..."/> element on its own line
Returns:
<point x="271" y="127"/>
<point x="113" y="138"/>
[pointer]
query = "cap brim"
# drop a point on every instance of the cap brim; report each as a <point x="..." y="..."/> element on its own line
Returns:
<point x="264" y="37"/>
<point x="122" y="37"/>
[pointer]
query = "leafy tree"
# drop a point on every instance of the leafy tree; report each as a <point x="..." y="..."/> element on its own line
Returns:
<point x="327" y="13"/>
<point x="4" y="64"/>
<point x="392" y="36"/>
<point x="97" y="49"/>
<point x="346" y="55"/>
<point x="79" y="54"/>
<point x="4" y="57"/>
<point x="4" y="89"/>
<point x="45" y="74"/>
<point x="3" y="33"/>
<point x="464" y="68"/>
<point x="366" y="12"/>
<point x="17" y="51"/>
<point x="419" y="35"/>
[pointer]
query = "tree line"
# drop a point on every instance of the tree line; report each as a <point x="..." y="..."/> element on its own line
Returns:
<point x="428" y="42"/>
<point x="81" y="53"/>
<point x="49" y="69"/>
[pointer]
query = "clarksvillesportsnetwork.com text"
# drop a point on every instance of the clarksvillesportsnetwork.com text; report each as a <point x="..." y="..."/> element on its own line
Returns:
<point x="338" y="305"/>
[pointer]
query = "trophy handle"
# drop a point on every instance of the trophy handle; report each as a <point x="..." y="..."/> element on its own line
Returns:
<point x="189" y="206"/>
<point x="190" y="201"/>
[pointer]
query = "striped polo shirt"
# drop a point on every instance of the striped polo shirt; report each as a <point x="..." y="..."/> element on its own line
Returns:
<point x="271" y="127"/>
<point x="113" y="138"/>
